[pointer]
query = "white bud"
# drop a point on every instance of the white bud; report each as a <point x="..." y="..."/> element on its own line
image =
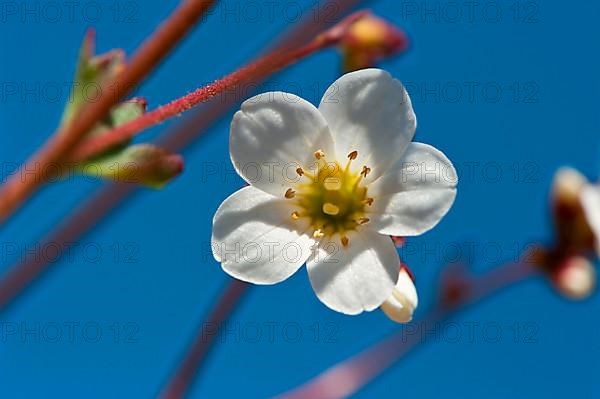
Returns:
<point x="401" y="305"/>
<point x="577" y="278"/>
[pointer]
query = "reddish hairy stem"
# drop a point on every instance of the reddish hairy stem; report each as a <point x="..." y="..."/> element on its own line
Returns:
<point x="255" y="70"/>
<point x="270" y="64"/>
<point x="21" y="185"/>
<point x="347" y="377"/>
<point x="191" y="128"/>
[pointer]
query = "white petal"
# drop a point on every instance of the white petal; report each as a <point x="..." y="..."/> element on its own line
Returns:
<point x="568" y="184"/>
<point x="355" y="278"/>
<point x="370" y="112"/>
<point x="401" y="305"/>
<point x="272" y="135"/>
<point x="590" y="199"/>
<point x="256" y="240"/>
<point x="415" y="194"/>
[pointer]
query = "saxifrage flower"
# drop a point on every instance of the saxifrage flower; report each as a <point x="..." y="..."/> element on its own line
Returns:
<point x="327" y="187"/>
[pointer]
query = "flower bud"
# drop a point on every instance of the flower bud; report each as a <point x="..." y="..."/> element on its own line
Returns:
<point x="401" y="305"/>
<point x="575" y="278"/>
<point x="368" y="40"/>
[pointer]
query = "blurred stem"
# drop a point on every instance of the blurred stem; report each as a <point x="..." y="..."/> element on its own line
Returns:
<point x="219" y="315"/>
<point x="347" y="377"/>
<point x="23" y="183"/>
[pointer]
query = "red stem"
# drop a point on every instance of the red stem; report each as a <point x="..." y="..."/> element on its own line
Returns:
<point x="270" y="64"/>
<point x="256" y="70"/>
<point x="347" y="377"/>
<point x="20" y="186"/>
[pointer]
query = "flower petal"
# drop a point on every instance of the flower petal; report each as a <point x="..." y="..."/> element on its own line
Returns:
<point x="355" y="278"/>
<point x="415" y="194"/>
<point x="370" y="112"/>
<point x="401" y="305"/>
<point x="567" y="186"/>
<point x="272" y="135"/>
<point x="256" y="240"/>
<point x="590" y="200"/>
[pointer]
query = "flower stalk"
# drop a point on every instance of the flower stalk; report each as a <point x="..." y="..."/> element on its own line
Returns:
<point x="267" y="65"/>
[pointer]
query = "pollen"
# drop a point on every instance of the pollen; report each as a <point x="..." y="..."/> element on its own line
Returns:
<point x="363" y="220"/>
<point x="368" y="201"/>
<point x="300" y="171"/>
<point x="295" y="215"/>
<point x="345" y="241"/>
<point x="318" y="233"/>
<point x="319" y="154"/>
<point x="289" y="194"/>
<point x="353" y="155"/>
<point x="365" y="171"/>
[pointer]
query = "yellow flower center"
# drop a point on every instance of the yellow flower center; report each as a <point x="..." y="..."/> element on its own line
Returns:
<point x="333" y="199"/>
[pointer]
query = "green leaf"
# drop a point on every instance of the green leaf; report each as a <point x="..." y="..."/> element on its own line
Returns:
<point x="143" y="164"/>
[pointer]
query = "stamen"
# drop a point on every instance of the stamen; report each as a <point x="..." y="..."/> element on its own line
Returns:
<point x="365" y="171"/>
<point x="319" y="154"/>
<point x="345" y="241"/>
<point x="289" y="194"/>
<point x="330" y="209"/>
<point x="332" y="200"/>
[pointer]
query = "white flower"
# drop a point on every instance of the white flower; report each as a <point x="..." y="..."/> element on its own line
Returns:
<point x="327" y="188"/>
<point x="404" y="300"/>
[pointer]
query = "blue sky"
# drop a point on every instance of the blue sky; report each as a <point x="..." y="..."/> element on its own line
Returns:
<point x="508" y="90"/>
